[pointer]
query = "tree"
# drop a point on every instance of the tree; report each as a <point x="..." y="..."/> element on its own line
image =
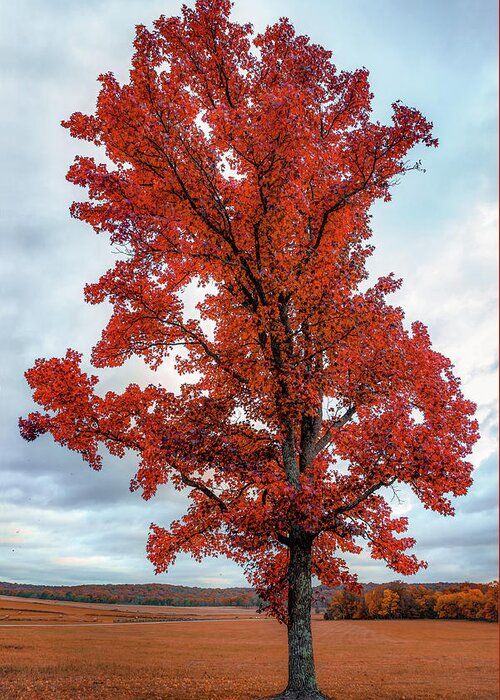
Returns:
<point x="344" y="605"/>
<point x="425" y="600"/>
<point x="490" y="611"/>
<point x="373" y="600"/>
<point x="407" y="604"/>
<point x="448" y="605"/>
<point x="249" y="166"/>
<point x="390" y="603"/>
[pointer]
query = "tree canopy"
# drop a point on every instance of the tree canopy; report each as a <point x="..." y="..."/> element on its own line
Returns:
<point x="248" y="165"/>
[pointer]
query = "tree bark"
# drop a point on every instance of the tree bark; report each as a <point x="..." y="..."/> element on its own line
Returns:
<point x="302" y="684"/>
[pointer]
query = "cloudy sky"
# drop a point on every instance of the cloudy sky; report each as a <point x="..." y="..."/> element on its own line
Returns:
<point x="61" y="523"/>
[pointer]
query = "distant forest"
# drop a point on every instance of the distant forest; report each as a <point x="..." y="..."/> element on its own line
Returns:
<point x="137" y="594"/>
<point x="464" y="601"/>
<point x="470" y="601"/>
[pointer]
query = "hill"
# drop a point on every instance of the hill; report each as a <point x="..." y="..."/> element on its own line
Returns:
<point x="163" y="594"/>
<point x="136" y="594"/>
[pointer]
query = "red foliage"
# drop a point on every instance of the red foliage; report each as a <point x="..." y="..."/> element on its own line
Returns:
<point x="251" y="168"/>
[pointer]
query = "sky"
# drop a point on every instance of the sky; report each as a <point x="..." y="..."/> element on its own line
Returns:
<point x="62" y="523"/>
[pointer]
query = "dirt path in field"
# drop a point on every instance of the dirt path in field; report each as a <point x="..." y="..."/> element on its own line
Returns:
<point x="139" y="622"/>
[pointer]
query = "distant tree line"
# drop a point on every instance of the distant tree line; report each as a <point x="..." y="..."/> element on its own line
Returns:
<point x="467" y="601"/>
<point x="397" y="600"/>
<point x="137" y="594"/>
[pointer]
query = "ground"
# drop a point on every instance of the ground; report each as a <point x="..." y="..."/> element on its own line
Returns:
<point x="74" y="651"/>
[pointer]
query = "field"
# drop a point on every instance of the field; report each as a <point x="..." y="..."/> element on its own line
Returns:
<point x="52" y="650"/>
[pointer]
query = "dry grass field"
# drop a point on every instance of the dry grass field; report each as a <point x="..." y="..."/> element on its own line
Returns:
<point x="54" y="650"/>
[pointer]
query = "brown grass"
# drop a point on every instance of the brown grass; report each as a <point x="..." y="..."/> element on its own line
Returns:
<point x="234" y="658"/>
<point x="33" y="611"/>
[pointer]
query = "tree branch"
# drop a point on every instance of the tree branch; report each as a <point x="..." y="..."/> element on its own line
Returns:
<point x="326" y="438"/>
<point x="363" y="496"/>
<point x="204" y="489"/>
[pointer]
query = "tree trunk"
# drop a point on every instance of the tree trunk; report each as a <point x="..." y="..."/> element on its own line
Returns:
<point x="302" y="683"/>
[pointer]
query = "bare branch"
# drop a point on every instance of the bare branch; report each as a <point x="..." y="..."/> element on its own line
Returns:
<point x="326" y="439"/>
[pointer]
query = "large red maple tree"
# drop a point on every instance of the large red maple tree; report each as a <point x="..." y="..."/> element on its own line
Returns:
<point x="248" y="164"/>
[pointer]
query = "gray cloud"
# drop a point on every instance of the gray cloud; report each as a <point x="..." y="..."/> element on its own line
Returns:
<point x="483" y="496"/>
